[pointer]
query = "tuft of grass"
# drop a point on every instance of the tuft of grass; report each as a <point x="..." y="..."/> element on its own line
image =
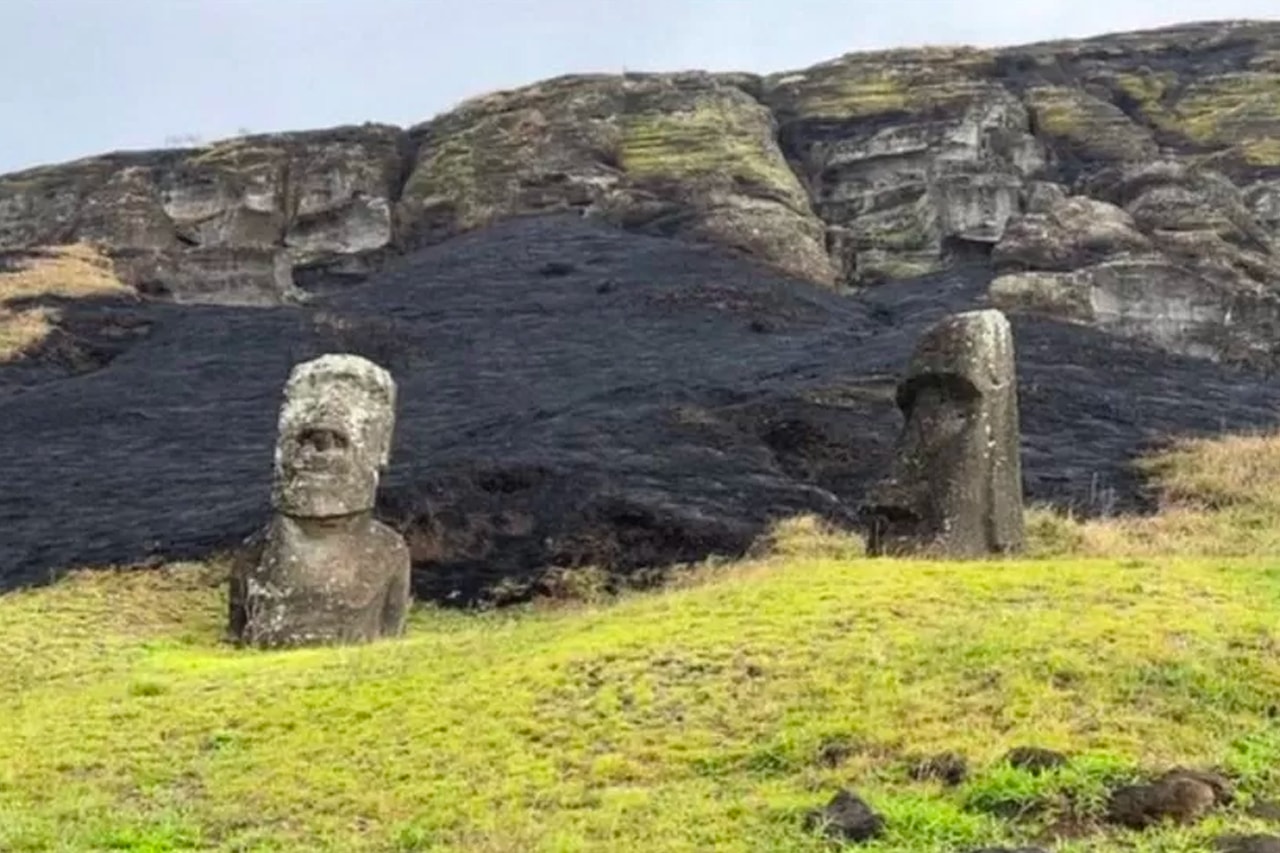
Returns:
<point x="1261" y="152"/>
<point x="21" y="330"/>
<point x="72" y="271"/>
<point x="812" y="537"/>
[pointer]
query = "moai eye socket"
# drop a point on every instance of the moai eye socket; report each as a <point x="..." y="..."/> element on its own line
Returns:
<point x="322" y="440"/>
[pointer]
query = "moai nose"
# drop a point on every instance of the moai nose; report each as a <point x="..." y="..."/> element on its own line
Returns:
<point x="321" y="440"/>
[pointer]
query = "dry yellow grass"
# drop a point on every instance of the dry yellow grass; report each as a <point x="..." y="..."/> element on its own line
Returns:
<point x="21" y="330"/>
<point x="1217" y="499"/>
<point x="72" y="271"/>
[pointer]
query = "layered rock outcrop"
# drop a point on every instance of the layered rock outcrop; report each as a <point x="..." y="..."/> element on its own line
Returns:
<point x="686" y="154"/>
<point x="1173" y="256"/>
<point x="226" y="223"/>
<point x="872" y="167"/>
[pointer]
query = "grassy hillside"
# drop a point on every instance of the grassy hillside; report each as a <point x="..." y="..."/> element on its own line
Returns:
<point x="713" y="715"/>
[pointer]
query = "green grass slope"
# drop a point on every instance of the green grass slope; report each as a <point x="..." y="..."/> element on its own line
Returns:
<point x="712" y="715"/>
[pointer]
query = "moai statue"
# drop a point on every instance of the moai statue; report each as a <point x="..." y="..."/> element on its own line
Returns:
<point x="324" y="570"/>
<point x="955" y="488"/>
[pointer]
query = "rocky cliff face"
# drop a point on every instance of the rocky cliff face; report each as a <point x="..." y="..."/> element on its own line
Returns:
<point x="872" y="167"/>
<point x="225" y="223"/>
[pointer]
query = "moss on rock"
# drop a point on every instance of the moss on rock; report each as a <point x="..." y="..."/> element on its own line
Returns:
<point x="1229" y="108"/>
<point x="719" y="139"/>
<point x="688" y="154"/>
<point x="860" y="86"/>
<point x="1079" y="126"/>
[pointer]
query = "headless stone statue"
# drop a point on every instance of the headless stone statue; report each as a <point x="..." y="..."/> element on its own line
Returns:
<point x="324" y="570"/>
<point x="955" y="488"/>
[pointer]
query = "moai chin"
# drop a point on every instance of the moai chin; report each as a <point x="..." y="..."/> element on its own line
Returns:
<point x="324" y="570"/>
<point x="955" y="488"/>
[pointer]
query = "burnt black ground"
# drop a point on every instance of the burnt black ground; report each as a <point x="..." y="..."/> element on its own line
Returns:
<point x="569" y="394"/>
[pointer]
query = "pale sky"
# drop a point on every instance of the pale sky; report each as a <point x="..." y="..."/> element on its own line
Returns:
<point x="88" y="76"/>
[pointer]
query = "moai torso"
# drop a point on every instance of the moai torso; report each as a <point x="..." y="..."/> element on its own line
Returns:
<point x="324" y="570"/>
<point x="320" y="582"/>
<point x="955" y="487"/>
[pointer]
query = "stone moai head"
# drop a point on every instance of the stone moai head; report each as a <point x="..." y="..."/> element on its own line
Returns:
<point x="955" y="488"/>
<point x="335" y="437"/>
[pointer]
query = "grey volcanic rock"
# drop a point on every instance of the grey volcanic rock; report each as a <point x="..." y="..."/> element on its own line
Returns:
<point x="324" y="571"/>
<point x="336" y="426"/>
<point x="319" y="198"/>
<point x="569" y="395"/>
<point x="1158" y="301"/>
<point x="955" y="488"/>
<point x="1068" y="233"/>
<point x="672" y="154"/>
<point x="904" y="151"/>
<point x="871" y="167"/>
<point x="319" y="581"/>
<point x="1183" y="264"/>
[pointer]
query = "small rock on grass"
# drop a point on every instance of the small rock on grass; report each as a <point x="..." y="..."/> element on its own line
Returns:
<point x="1268" y="810"/>
<point x="1179" y="796"/>
<point x="949" y="768"/>
<point x="1034" y="759"/>
<point x="1248" y="844"/>
<point x="846" y="818"/>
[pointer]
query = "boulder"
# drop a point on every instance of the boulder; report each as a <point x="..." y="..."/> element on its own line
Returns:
<point x="1081" y="129"/>
<point x="1066" y="234"/>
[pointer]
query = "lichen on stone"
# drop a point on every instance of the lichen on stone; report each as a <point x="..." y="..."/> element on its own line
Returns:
<point x="1230" y="108"/>
<point x="1085" y="127"/>
<point x="914" y="82"/>
<point x="714" y="139"/>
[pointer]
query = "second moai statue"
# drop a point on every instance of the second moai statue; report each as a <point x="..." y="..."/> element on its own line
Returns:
<point x="324" y="570"/>
<point x="955" y="487"/>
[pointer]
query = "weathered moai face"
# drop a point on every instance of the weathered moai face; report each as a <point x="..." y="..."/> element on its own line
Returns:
<point x="956" y="483"/>
<point x="335" y="437"/>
